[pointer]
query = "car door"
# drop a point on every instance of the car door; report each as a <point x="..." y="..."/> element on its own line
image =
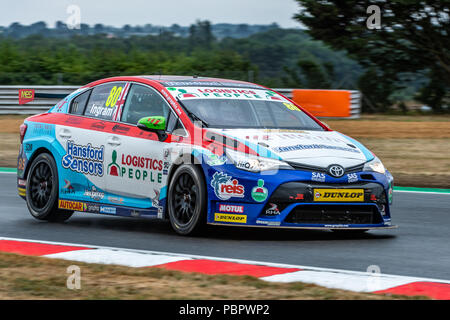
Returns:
<point x="83" y="137"/>
<point x="81" y="163"/>
<point x="134" y="165"/>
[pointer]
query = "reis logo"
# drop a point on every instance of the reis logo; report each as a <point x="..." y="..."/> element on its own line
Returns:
<point x="225" y="187"/>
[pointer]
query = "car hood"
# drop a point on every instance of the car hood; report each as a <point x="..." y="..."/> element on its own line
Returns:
<point x="309" y="148"/>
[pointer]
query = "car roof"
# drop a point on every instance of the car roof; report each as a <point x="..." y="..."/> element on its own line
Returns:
<point x="182" y="81"/>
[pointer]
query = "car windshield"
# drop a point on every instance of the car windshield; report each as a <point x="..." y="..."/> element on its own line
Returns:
<point x="246" y="113"/>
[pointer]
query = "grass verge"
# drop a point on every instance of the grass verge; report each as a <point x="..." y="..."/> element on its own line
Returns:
<point x="26" y="277"/>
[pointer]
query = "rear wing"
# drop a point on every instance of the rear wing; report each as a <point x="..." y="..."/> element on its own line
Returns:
<point x="28" y="95"/>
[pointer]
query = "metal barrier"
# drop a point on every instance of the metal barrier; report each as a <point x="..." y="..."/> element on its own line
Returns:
<point x="352" y="106"/>
<point x="9" y="101"/>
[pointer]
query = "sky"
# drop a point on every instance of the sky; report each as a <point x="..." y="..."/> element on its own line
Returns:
<point x="155" y="12"/>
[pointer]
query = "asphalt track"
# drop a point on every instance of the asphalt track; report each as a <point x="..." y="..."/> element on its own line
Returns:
<point x="419" y="247"/>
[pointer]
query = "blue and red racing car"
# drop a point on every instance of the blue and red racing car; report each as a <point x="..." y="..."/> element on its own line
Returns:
<point x="197" y="151"/>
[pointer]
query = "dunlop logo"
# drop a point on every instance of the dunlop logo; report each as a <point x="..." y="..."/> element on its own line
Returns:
<point x="336" y="195"/>
<point x="236" y="218"/>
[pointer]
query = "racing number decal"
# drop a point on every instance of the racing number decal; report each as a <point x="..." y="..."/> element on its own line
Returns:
<point x="290" y="106"/>
<point x="113" y="96"/>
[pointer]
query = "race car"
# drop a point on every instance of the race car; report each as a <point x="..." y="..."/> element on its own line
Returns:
<point x="197" y="151"/>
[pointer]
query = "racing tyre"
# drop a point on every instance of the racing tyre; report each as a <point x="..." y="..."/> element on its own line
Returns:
<point x="42" y="190"/>
<point x="186" y="200"/>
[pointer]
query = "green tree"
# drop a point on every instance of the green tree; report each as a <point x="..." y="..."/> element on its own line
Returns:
<point x="413" y="37"/>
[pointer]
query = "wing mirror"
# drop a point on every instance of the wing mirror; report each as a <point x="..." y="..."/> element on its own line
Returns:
<point x="156" y="124"/>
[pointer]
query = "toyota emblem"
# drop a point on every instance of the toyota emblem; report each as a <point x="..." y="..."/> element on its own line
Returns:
<point x="336" y="171"/>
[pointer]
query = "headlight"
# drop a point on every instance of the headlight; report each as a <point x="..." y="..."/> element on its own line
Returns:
<point x="252" y="163"/>
<point x="375" y="165"/>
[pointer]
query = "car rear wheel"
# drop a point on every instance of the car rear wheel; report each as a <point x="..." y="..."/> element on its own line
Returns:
<point x="187" y="200"/>
<point x="42" y="190"/>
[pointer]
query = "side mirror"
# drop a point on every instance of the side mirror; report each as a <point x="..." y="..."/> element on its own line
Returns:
<point x="156" y="124"/>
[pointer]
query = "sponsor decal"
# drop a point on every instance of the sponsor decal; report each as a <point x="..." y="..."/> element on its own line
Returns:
<point x="300" y="147"/>
<point x="166" y="166"/>
<point x="383" y="210"/>
<point x="93" y="208"/>
<point x="99" y="125"/>
<point x="21" y="163"/>
<point x="298" y="196"/>
<point x="115" y="200"/>
<point x="160" y="212"/>
<point x="22" y="191"/>
<point x="25" y="96"/>
<point x="113" y="167"/>
<point x="242" y="164"/>
<point x="273" y="210"/>
<point x="166" y="154"/>
<point x="68" y="188"/>
<point x="193" y="83"/>
<point x="74" y="120"/>
<point x="236" y="218"/>
<point x="205" y="92"/>
<point x="390" y="193"/>
<point x="155" y="198"/>
<point x="259" y="193"/>
<point x="225" y="187"/>
<point x="28" y="147"/>
<point x="336" y="225"/>
<point x="215" y="160"/>
<point x="59" y="106"/>
<point x="107" y="210"/>
<point x="231" y="208"/>
<point x="22" y="182"/>
<point x="71" y="205"/>
<point x="99" y="110"/>
<point x="183" y="94"/>
<point x="155" y="203"/>
<point x="120" y="101"/>
<point x="268" y="223"/>
<point x="172" y="102"/>
<point x="318" y="176"/>
<point x="40" y="129"/>
<point x="94" y="194"/>
<point x="136" y="167"/>
<point x="339" y="195"/>
<point x="256" y="137"/>
<point x="84" y="159"/>
<point x="290" y="106"/>
<point x="120" y="129"/>
<point x="352" y="177"/>
<point x="271" y="95"/>
<point x="135" y="213"/>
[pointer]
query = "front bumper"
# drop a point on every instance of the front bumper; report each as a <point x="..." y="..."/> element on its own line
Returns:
<point x="292" y="202"/>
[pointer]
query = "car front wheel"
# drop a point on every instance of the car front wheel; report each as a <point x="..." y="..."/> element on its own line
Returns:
<point x="187" y="200"/>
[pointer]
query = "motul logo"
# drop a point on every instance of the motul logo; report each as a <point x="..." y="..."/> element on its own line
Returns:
<point x="230" y="208"/>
